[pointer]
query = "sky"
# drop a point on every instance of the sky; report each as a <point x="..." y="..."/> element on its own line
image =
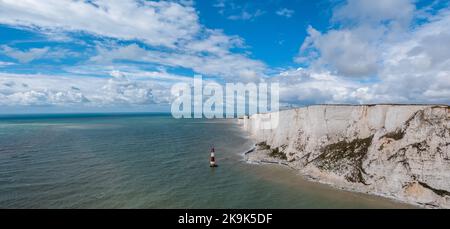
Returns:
<point x="98" y="55"/>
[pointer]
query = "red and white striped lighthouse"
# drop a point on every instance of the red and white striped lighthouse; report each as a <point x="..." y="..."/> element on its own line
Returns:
<point x="212" y="160"/>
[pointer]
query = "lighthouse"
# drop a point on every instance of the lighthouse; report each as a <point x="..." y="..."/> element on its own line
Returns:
<point x="212" y="160"/>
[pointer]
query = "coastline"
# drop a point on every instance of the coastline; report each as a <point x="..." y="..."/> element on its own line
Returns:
<point x="260" y="157"/>
<point x="378" y="150"/>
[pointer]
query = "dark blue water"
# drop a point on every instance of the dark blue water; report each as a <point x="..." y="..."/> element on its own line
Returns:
<point x="146" y="161"/>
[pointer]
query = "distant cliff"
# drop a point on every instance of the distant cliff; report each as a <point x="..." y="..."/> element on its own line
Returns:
<point x="397" y="151"/>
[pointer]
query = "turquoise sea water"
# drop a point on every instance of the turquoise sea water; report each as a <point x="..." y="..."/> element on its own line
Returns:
<point x="147" y="161"/>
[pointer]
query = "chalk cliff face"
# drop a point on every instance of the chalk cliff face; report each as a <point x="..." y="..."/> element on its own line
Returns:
<point x="398" y="151"/>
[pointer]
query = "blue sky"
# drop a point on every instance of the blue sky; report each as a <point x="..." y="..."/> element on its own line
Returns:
<point x="124" y="55"/>
<point x="273" y="38"/>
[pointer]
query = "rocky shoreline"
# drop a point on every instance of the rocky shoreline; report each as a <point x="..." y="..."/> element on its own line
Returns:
<point x="403" y="156"/>
<point x="262" y="157"/>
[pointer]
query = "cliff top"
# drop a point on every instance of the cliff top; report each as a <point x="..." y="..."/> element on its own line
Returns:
<point x="369" y="105"/>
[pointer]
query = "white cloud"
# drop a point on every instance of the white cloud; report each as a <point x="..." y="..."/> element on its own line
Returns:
<point x="124" y="91"/>
<point x="5" y="64"/>
<point x="372" y="53"/>
<point x="246" y="15"/>
<point x="237" y="10"/>
<point x="214" y="42"/>
<point x="221" y="63"/>
<point x="399" y="12"/>
<point x="348" y="52"/>
<point x="40" y="90"/>
<point x="356" y="47"/>
<point x="32" y="54"/>
<point x="305" y="86"/>
<point x="417" y="67"/>
<point x="170" y="29"/>
<point x="45" y="97"/>
<point x="168" y="34"/>
<point x="24" y="56"/>
<point x="400" y="62"/>
<point x="219" y="4"/>
<point x="156" y="23"/>
<point x="284" y="12"/>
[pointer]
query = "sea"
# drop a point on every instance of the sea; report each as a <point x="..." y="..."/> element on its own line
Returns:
<point x="148" y="161"/>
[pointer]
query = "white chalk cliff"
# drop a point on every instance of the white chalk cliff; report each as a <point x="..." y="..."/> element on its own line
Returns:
<point x="397" y="151"/>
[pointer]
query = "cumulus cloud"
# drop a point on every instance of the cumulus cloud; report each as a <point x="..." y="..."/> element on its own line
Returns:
<point x="372" y="52"/>
<point x="44" y="97"/>
<point x="348" y="52"/>
<point x="168" y="34"/>
<point x="398" y="12"/>
<point x="219" y="63"/>
<point x="119" y="89"/>
<point x="125" y="91"/>
<point x="355" y="48"/>
<point x="26" y="56"/>
<point x="160" y="23"/>
<point x="38" y="90"/>
<point x="417" y="68"/>
<point x="401" y="62"/>
<point x="214" y="42"/>
<point x="306" y="86"/>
